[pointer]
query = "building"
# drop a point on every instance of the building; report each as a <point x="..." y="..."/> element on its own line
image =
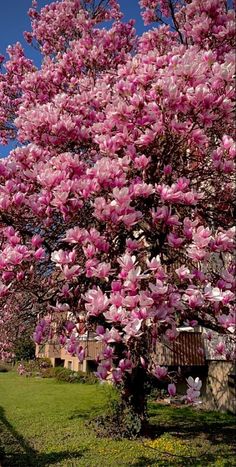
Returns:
<point x="60" y="357"/>
<point x="191" y="354"/>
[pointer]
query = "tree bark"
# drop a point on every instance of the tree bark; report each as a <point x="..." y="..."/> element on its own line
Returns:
<point x="134" y="396"/>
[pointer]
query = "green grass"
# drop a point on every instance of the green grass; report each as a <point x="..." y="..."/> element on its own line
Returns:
<point x="42" y="423"/>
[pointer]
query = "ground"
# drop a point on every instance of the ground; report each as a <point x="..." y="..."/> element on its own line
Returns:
<point x="42" y="423"/>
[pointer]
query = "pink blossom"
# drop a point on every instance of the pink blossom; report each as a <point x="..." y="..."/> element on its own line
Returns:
<point x="175" y="241"/>
<point x="97" y="302"/>
<point x="39" y="253"/>
<point x="101" y="372"/>
<point x="194" y="383"/>
<point x="70" y="272"/>
<point x="80" y="352"/>
<point x="60" y="257"/>
<point x="158" y="289"/>
<point x="37" y="241"/>
<point x="102" y="270"/>
<point x="117" y="375"/>
<point x="115" y="314"/>
<point x="160" y="372"/>
<point x="154" y="263"/>
<point x="75" y="235"/>
<point x="171" y="334"/>
<point x="220" y="348"/>
<point x="133" y="328"/>
<point x="132" y="245"/>
<point x="125" y="365"/>
<point x="3" y="289"/>
<point x="213" y="293"/>
<point x="193" y="391"/>
<point x="172" y="389"/>
<point x="183" y="273"/>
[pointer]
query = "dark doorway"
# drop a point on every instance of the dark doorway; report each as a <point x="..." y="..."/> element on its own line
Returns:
<point x="91" y="366"/>
<point x="59" y="362"/>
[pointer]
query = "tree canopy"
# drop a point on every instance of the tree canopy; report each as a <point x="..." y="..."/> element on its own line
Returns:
<point x="116" y="206"/>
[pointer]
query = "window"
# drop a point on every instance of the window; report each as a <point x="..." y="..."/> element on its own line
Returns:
<point x="69" y="365"/>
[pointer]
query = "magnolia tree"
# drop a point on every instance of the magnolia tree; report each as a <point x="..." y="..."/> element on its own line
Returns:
<point x="116" y="205"/>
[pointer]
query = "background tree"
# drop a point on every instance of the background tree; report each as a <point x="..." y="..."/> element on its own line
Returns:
<point x="24" y="348"/>
<point x="118" y="202"/>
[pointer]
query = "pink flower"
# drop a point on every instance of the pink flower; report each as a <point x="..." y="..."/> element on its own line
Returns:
<point x="183" y="273"/>
<point x="195" y="384"/>
<point x="3" y="290"/>
<point x="37" y="241"/>
<point x="213" y="294"/>
<point x="97" y="301"/>
<point x="62" y="339"/>
<point x="102" y="270"/>
<point x="60" y="307"/>
<point x="69" y="326"/>
<point x="132" y="245"/>
<point x="101" y="372"/>
<point x="172" y="389"/>
<point x="154" y="263"/>
<point x="75" y="235"/>
<point x="192" y="395"/>
<point x="115" y="315"/>
<point x="39" y="254"/>
<point x="117" y="375"/>
<point x="171" y="334"/>
<point x="133" y="328"/>
<point x="60" y="257"/>
<point x="125" y="365"/>
<point x="220" y="348"/>
<point x="174" y="241"/>
<point x="164" y="214"/>
<point x="141" y="162"/>
<point x="193" y="391"/>
<point x="160" y="372"/>
<point x="80" y="352"/>
<point x="158" y="289"/>
<point x="71" y="272"/>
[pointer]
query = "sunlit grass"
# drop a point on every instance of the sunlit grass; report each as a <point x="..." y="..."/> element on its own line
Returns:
<point x="43" y="424"/>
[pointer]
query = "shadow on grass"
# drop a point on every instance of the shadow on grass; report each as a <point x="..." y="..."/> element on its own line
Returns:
<point x="146" y="461"/>
<point x="188" y="423"/>
<point x="187" y="420"/>
<point x="195" y="426"/>
<point x="173" y="462"/>
<point x="85" y="414"/>
<point x="15" y="451"/>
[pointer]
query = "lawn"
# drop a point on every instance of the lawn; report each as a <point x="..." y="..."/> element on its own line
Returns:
<point x="42" y="423"/>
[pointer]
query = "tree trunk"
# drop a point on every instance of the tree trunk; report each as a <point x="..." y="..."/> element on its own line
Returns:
<point x="134" y="397"/>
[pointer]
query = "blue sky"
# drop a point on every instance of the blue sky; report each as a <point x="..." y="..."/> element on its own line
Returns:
<point x="14" y="21"/>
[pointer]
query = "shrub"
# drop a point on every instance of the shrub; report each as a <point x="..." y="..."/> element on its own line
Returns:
<point x="69" y="376"/>
<point x="48" y="372"/>
<point x="90" y="378"/>
<point x="2" y="453"/>
<point x="35" y="367"/>
<point x="44" y="368"/>
<point x="44" y="362"/>
<point x="117" y="423"/>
